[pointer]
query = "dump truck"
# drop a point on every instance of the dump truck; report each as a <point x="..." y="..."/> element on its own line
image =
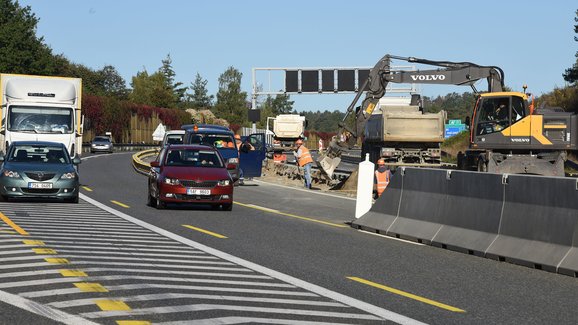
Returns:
<point x="41" y="108"/>
<point x="402" y="134"/>
<point x="286" y="128"/>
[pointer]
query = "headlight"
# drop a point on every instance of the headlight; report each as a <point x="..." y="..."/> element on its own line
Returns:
<point x="10" y="173"/>
<point x="172" y="181"/>
<point x="233" y="160"/>
<point x="70" y="175"/>
<point x="93" y="145"/>
<point x="224" y="182"/>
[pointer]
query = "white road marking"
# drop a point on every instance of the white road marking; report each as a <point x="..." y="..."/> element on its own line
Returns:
<point x="23" y="265"/>
<point x="390" y="237"/>
<point x="136" y="251"/>
<point x="43" y="234"/>
<point x="384" y="313"/>
<point x="129" y="244"/>
<point x="247" y="320"/>
<point x="42" y="310"/>
<point x="162" y="296"/>
<point x="171" y="266"/>
<point x="140" y="286"/>
<point x="134" y="254"/>
<point x="41" y="230"/>
<point x="205" y="307"/>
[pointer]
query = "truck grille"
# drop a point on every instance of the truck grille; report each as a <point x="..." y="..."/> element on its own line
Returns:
<point x="205" y="184"/>
<point x="39" y="176"/>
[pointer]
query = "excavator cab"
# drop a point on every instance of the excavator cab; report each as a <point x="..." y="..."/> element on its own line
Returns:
<point x="497" y="112"/>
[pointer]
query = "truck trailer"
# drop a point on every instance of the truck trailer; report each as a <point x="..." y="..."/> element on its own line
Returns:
<point x="41" y="108"/>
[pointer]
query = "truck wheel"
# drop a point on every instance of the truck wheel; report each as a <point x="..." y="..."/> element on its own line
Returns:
<point x="482" y="166"/>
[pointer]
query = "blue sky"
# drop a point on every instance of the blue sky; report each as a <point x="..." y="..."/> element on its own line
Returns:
<point x="532" y="41"/>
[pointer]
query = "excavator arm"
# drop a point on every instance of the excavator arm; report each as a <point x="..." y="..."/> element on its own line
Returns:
<point x="449" y="73"/>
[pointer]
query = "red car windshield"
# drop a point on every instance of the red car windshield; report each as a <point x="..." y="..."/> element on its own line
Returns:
<point x="193" y="158"/>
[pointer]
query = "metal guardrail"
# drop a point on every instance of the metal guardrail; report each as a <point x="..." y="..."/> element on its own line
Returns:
<point x="124" y="146"/>
<point x="141" y="166"/>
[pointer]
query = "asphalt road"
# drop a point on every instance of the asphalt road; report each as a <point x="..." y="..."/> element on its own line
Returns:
<point x="288" y="236"/>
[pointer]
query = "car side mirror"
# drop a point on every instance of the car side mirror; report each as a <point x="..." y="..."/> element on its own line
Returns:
<point x="155" y="164"/>
<point x="231" y="166"/>
<point x="76" y="160"/>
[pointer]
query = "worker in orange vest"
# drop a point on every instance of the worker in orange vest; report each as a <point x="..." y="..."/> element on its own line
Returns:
<point x="305" y="160"/>
<point x="382" y="176"/>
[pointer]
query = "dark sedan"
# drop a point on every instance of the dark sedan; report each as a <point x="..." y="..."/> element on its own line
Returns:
<point x="39" y="170"/>
<point x="190" y="174"/>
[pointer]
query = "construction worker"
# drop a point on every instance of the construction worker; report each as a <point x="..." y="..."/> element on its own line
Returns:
<point x="305" y="160"/>
<point x="382" y="176"/>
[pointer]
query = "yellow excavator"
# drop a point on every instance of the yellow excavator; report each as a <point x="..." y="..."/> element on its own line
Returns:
<point x="507" y="135"/>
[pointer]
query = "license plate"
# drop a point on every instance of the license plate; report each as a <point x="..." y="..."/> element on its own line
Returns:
<point x="39" y="185"/>
<point x="192" y="191"/>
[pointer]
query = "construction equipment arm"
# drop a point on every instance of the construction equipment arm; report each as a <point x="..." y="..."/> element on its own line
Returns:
<point x="451" y="73"/>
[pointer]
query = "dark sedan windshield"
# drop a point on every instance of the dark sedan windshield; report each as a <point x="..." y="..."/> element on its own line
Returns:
<point x="38" y="154"/>
<point x="193" y="158"/>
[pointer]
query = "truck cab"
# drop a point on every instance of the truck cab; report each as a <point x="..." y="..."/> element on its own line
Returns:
<point x="248" y="156"/>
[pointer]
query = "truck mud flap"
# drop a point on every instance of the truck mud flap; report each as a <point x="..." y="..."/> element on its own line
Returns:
<point x="522" y="219"/>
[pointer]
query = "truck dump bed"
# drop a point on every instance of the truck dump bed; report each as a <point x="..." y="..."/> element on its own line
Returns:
<point x="405" y="124"/>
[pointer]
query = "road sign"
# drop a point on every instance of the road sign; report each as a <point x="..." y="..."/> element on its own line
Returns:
<point x="452" y="130"/>
<point x="454" y="122"/>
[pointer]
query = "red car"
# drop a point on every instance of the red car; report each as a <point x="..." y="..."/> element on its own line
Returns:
<point x="190" y="174"/>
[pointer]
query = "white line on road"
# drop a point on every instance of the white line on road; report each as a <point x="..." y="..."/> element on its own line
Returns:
<point x="306" y="191"/>
<point x="384" y="313"/>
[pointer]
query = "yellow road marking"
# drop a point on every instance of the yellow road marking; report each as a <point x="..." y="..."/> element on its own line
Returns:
<point x="121" y="204"/>
<point x="13" y="225"/>
<point x="106" y="304"/>
<point x="133" y="322"/>
<point x="44" y="251"/>
<point x="73" y="273"/>
<point x="90" y="287"/>
<point x="8" y="231"/>
<point x="252" y="206"/>
<point x="57" y="260"/>
<point x="86" y="188"/>
<point x="33" y="242"/>
<point x="205" y="231"/>
<point x="407" y="294"/>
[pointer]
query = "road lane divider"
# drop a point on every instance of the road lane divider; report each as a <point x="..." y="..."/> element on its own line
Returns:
<point x="108" y="304"/>
<point x="265" y="209"/>
<point x="57" y="260"/>
<point x="73" y="273"/>
<point x="214" y="234"/>
<point x="90" y="287"/>
<point x="44" y="251"/>
<point x="120" y="204"/>
<point x="34" y="242"/>
<point x="407" y="294"/>
<point x="86" y="188"/>
<point x="12" y="225"/>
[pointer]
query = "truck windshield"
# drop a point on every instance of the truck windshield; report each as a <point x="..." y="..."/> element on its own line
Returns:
<point x="40" y="119"/>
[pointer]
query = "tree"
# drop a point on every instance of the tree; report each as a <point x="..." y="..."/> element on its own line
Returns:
<point x="175" y="87"/>
<point x="21" y="51"/>
<point x="231" y="101"/>
<point x="151" y="90"/>
<point x="571" y="74"/>
<point x="112" y="83"/>
<point x="200" y="97"/>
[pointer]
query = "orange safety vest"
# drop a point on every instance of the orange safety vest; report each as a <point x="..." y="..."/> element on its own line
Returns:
<point x="305" y="157"/>
<point x="382" y="181"/>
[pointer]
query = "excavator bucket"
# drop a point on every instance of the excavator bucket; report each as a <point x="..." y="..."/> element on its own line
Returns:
<point x="328" y="161"/>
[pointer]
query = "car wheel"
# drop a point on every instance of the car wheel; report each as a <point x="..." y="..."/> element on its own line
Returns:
<point x="151" y="202"/>
<point x="227" y="207"/>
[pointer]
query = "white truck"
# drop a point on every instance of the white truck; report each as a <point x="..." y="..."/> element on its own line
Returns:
<point x="41" y="108"/>
<point x="287" y="128"/>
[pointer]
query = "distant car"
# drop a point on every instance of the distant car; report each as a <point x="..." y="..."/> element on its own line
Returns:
<point x="101" y="144"/>
<point x="173" y="137"/>
<point x="190" y="174"/>
<point x="39" y="170"/>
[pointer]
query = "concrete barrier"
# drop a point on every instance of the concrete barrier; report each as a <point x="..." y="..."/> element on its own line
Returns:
<point x="471" y="212"/>
<point x="522" y="219"/>
<point x="539" y="221"/>
<point x="424" y="191"/>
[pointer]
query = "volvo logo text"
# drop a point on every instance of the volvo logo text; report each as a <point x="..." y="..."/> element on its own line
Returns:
<point x="429" y="77"/>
